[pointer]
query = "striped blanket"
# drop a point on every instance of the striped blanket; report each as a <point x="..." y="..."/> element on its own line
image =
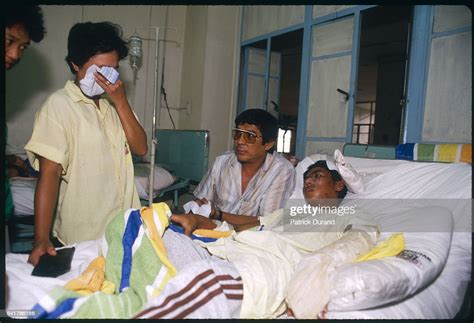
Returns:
<point x="134" y="268"/>
<point x="209" y="288"/>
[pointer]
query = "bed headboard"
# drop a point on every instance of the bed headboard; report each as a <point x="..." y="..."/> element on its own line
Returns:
<point x="185" y="153"/>
<point x="369" y="151"/>
<point x="445" y="153"/>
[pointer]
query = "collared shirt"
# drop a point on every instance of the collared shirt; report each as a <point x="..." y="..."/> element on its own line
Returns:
<point x="266" y="192"/>
<point x="90" y="144"/>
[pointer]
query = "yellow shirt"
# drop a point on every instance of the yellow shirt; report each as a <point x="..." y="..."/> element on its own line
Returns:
<point x="91" y="146"/>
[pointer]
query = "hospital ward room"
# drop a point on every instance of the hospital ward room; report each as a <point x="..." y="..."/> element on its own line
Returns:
<point x="238" y="162"/>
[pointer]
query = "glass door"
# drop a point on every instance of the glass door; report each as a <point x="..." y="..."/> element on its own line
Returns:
<point x="329" y="88"/>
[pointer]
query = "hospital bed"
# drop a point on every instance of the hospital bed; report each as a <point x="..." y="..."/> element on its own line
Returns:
<point x="185" y="154"/>
<point x="21" y="224"/>
<point x="433" y="290"/>
<point x="182" y="158"/>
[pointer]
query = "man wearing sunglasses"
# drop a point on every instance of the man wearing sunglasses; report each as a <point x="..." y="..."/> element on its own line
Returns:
<point x="251" y="181"/>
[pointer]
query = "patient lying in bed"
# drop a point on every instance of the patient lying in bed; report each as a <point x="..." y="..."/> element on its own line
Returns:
<point x="262" y="261"/>
<point x="266" y="260"/>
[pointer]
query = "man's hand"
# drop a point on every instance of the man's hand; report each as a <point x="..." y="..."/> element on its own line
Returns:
<point x="40" y="249"/>
<point x="214" y="212"/>
<point x="189" y="222"/>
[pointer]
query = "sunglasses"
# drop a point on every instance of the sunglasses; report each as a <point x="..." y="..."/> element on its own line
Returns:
<point x="249" y="136"/>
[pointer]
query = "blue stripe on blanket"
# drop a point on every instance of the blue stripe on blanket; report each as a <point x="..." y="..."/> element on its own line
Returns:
<point x="131" y="232"/>
<point x="64" y="307"/>
<point x="177" y="228"/>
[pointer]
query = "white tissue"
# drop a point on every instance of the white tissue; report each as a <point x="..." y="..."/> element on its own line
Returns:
<point x="192" y="206"/>
<point x="110" y="74"/>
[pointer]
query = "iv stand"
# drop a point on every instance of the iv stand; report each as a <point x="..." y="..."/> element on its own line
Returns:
<point x="156" y="99"/>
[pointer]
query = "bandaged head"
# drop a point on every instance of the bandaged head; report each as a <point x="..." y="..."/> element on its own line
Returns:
<point x="336" y="177"/>
<point x="340" y="169"/>
<point x="350" y="176"/>
<point x="88" y="84"/>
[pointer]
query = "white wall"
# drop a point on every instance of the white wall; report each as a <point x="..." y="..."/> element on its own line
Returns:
<point x="210" y="73"/>
<point x="43" y="70"/>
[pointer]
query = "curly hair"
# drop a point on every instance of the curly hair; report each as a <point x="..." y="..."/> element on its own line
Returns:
<point x="30" y="17"/>
<point x="88" y="39"/>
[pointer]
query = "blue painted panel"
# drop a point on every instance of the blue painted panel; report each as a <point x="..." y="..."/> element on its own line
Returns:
<point x="369" y="151"/>
<point x="175" y="148"/>
<point x="417" y="72"/>
<point x="304" y="85"/>
<point x="354" y="74"/>
<point x="267" y="73"/>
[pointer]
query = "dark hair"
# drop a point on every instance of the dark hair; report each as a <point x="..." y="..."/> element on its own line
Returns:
<point x="334" y="175"/>
<point x="264" y="121"/>
<point x="30" y="17"/>
<point x="88" y="39"/>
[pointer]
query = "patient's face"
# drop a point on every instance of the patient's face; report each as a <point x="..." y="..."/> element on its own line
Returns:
<point x="319" y="187"/>
<point x="16" y="42"/>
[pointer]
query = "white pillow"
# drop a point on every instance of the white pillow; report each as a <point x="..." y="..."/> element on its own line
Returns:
<point x="23" y="194"/>
<point x="373" y="283"/>
<point x="161" y="180"/>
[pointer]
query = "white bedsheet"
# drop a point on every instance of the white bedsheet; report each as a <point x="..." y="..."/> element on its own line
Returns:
<point x="24" y="290"/>
<point x="422" y="184"/>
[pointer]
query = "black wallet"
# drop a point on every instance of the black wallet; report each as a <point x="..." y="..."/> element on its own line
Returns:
<point x="54" y="266"/>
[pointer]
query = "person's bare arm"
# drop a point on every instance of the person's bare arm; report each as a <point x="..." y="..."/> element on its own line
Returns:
<point x="46" y="196"/>
<point x="237" y="220"/>
<point x="240" y="222"/>
<point x="246" y="226"/>
<point x="134" y="132"/>
<point x="191" y="222"/>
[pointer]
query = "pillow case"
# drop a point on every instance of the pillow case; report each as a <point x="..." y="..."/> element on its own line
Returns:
<point x="23" y="194"/>
<point x="427" y="232"/>
<point x="161" y="180"/>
